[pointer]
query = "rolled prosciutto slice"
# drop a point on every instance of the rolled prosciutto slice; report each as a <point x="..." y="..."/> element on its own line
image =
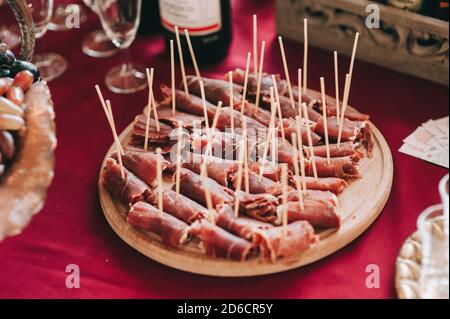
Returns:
<point x="218" y="243"/>
<point x="320" y="214"/>
<point x="282" y="242"/>
<point x="165" y="114"/>
<point x="341" y="167"/>
<point x="257" y="185"/>
<point x="191" y="104"/>
<point x="272" y="172"/>
<point x="262" y="207"/>
<point x="143" y="164"/>
<point x="139" y="128"/>
<point x="182" y="207"/>
<point x="128" y="190"/>
<point x="172" y="231"/>
<point x="351" y="113"/>
<point x="332" y="184"/>
<point x="350" y="131"/>
<point x="345" y="149"/>
<point x="242" y="227"/>
<point x="215" y="90"/>
<point x="220" y="172"/>
<point x="266" y="82"/>
<point x="315" y="195"/>
<point x="194" y="185"/>
<point x="290" y="127"/>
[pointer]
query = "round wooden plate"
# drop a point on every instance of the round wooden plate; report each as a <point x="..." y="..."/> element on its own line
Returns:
<point x="360" y="205"/>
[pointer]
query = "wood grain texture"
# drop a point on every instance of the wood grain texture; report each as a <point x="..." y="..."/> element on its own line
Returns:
<point x="360" y="205"/>
<point x="407" y="42"/>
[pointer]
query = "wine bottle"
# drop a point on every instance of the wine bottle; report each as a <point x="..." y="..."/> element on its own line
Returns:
<point x="208" y="23"/>
<point x="150" y="18"/>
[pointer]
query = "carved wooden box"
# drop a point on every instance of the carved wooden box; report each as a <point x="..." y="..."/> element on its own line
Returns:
<point x="406" y="41"/>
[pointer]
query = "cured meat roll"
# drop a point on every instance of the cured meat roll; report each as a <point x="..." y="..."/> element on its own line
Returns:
<point x="320" y="214"/>
<point x="218" y="243"/>
<point x="182" y="207"/>
<point x="266" y="83"/>
<point x="139" y="128"/>
<point x="282" y="242"/>
<point x="193" y="186"/>
<point x="220" y="172"/>
<point x="345" y="149"/>
<point x="262" y="207"/>
<point x="315" y="195"/>
<point x="257" y="185"/>
<point x="350" y="132"/>
<point x="341" y="167"/>
<point x="130" y="189"/>
<point x="143" y="164"/>
<point x="242" y="227"/>
<point x="351" y="113"/>
<point x="290" y="127"/>
<point x="191" y="104"/>
<point x="332" y="184"/>
<point x="173" y="232"/>
<point x="189" y="120"/>
<point x="215" y="90"/>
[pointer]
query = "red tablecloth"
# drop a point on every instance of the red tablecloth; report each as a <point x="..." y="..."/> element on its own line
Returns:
<point x="71" y="229"/>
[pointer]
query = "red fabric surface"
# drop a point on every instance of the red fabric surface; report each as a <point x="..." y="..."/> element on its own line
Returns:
<point x="71" y="229"/>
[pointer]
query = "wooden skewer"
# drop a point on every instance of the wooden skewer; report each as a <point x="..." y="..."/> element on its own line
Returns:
<point x="172" y="76"/>
<point x="260" y="72"/>
<point x="217" y="116"/>
<point x="191" y="50"/>
<point x="255" y="45"/>
<point x="239" y="181"/>
<point x="344" y="108"/>
<point x="280" y="114"/>
<point x="246" y="156"/>
<point x="298" y="183"/>
<point x="116" y="139"/>
<point x="180" y="53"/>
<point x="108" y="117"/>
<point x="348" y="83"/>
<point x="179" y="157"/>
<point x="352" y="62"/>
<point x="230" y="78"/>
<point x="336" y="80"/>
<point x="159" y="180"/>
<point x="205" y="114"/>
<point x="311" y="147"/>
<point x="209" y="202"/>
<point x="286" y="71"/>
<point x="305" y="56"/>
<point x="150" y="75"/>
<point x="298" y="122"/>
<point x="300" y="92"/>
<point x="284" y="182"/>
<point x="325" y="119"/>
<point x="269" y="132"/>
<point x="244" y="94"/>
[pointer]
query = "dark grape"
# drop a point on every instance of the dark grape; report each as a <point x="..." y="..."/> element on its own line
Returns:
<point x="7" y="58"/>
<point x="23" y="65"/>
<point x="5" y="73"/>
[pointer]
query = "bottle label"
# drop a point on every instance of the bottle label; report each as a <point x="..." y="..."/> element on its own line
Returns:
<point x="200" y="17"/>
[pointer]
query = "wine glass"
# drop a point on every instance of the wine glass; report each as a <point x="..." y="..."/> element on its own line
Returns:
<point x="62" y="12"/>
<point x="51" y="65"/>
<point x="97" y="44"/>
<point x="120" y="20"/>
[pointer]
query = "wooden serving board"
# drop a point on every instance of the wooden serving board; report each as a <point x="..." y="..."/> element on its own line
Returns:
<point x="360" y="205"/>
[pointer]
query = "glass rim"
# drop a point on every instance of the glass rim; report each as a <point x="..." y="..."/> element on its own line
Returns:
<point x="427" y="213"/>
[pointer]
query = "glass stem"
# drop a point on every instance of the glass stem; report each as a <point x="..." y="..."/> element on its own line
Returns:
<point x="127" y="64"/>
